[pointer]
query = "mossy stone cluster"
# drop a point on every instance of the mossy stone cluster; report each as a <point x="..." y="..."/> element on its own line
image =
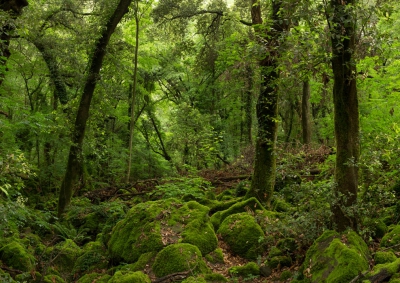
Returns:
<point x="129" y="277"/>
<point x="392" y="238"/>
<point x="242" y="233"/>
<point x="248" y="269"/>
<point x="179" y="258"/>
<point x="94" y="277"/>
<point x="336" y="258"/>
<point x="16" y="256"/>
<point x="151" y="226"/>
<point x="386" y="271"/>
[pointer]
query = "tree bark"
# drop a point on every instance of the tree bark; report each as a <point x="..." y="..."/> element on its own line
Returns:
<point x="14" y="7"/>
<point x="346" y="119"/>
<point x="263" y="180"/>
<point x="75" y="159"/>
<point x="305" y="113"/>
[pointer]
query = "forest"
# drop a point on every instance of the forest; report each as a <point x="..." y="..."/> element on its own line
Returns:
<point x="155" y="141"/>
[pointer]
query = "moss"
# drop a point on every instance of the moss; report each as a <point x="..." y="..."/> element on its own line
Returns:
<point x="216" y="219"/>
<point x="280" y="261"/>
<point x="27" y="277"/>
<point x="250" y="268"/>
<point x="287" y="245"/>
<point x="280" y="205"/>
<point x="335" y="258"/>
<point x="143" y="260"/>
<point x="216" y="256"/>
<point x="129" y="277"/>
<point x="66" y="254"/>
<point x="178" y="258"/>
<point x="380" y="228"/>
<point x="192" y="279"/>
<point x="392" y="238"/>
<point x="274" y="252"/>
<point x="94" y="277"/>
<point x="93" y="257"/>
<point x="384" y="257"/>
<point x="34" y="244"/>
<point x="387" y="268"/>
<point x="53" y="279"/>
<point x="215" y="278"/>
<point x="285" y="275"/>
<point x="242" y="234"/>
<point x="16" y="256"/>
<point x="200" y="234"/>
<point x="5" y="277"/>
<point x="226" y="195"/>
<point x="150" y="226"/>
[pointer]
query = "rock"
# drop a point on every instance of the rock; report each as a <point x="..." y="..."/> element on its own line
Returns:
<point x="179" y="258"/>
<point x="384" y="272"/>
<point x="53" y="279"/>
<point x="153" y="225"/>
<point x="242" y="233"/>
<point x="392" y="238"/>
<point x="94" y="277"/>
<point x="16" y="256"/>
<point x="129" y="277"/>
<point x="384" y="257"/>
<point x="336" y="258"/>
<point x="250" y="268"/>
<point x="265" y="271"/>
<point x="193" y="279"/>
<point x="215" y="278"/>
<point x="216" y="256"/>
<point x="279" y="261"/>
<point x="93" y="258"/>
<point x="65" y="255"/>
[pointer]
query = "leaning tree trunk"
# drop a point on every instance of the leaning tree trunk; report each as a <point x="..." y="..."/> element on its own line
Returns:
<point x="263" y="180"/>
<point x="75" y="158"/>
<point x="342" y="25"/>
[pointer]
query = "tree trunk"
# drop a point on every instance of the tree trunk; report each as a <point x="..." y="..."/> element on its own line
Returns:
<point x="132" y="121"/>
<point x="342" y="25"/>
<point x="263" y="180"/>
<point x="305" y="113"/>
<point x="75" y="159"/>
<point x="14" y="7"/>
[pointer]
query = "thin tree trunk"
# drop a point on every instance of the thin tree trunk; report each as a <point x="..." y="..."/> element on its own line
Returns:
<point x="305" y="113"/>
<point x="75" y="159"/>
<point x="263" y="180"/>
<point x="346" y="119"/>
<point x="132" y="122"/>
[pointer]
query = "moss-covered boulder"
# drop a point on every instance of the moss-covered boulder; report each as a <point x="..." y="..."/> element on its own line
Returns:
<point x="94" y="277"/>
<point x="16" y="256"/>
<point x="216" y="256"/>
<point x="287" y="245"/>
<point x="53" y="279"/>
<point x="242" y="233"/>
<point x="384" y="257"/>
<point x="279" y="261"/>
<point x="179" y="258"/>
<point x="34" y="277"/>
<point x="193" y="279"/>
<point x="384" y="272"/>
<point x="215" y="278"/>
<point x="392" y="238"/>
<point x="246" y="270"/>
<point x="336" y="258"/>
<point x="129" y="277"/>
<point x="64" y="256"/>
<point x="151" y="226"/>
<point x="93" y="258"/>
<point x="5" y="277"/>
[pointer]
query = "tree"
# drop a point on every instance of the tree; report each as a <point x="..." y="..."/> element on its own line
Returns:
<point x="74" y="166"/>
<point x="342" y="25"/>
<point x="263" y="179"/>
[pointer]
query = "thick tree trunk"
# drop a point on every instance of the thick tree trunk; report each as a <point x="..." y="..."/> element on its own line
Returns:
<point x="75" y="159"/>
<point x="305" y="113"/>
<point x="263" y="180"/>
<point x="346" y="113"/>
<point x="14" y="7"/>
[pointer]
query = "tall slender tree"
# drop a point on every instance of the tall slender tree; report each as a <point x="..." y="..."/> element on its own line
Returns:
<point x="342" y="24"/>
<point x="75" y="158"/>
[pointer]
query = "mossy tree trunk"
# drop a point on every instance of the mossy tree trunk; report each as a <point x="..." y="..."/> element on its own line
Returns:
<point x="305" y="113"/>
<point x="342" y="21"/>
<point x="263" y="180"/>
<point x="75" y="158"/>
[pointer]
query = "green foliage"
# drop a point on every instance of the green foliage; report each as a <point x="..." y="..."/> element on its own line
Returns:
<point x="195" y="187"/>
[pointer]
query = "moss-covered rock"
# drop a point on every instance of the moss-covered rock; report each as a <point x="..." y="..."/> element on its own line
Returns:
<point x="280" y="261"/>
<point x="215" y="278"/>
<point x="287" y="245"/>
<point x="274" y="252"/>
<point x="285" y="275"/>
<point x="53" y="279"/>
<point x="64" y="256"/>
<point x="336" y="258"/>
<point x="5" y="277"/>
<point x="153" y="225"/>
<point x="193" y="279"/>
<point x="384" y="257"/>
<point x="94" y="277"/>
<point x="178" y="258"/>
<point x="242" y="233"/>
<point x="392" y="238"/>
<point x="34" y="277"/>
<point x="384" y="271"/>
<point x="129" y="277"/>
<point x="93" y="258"/>
<point x="216" y="256"/>
<point x="15" y="255"/>
<point x="250" y="268"/>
